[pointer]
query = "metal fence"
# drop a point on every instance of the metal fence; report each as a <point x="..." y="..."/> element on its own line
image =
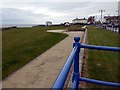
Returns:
<point x="110" y="27"/>
<point x="74" y="57"/>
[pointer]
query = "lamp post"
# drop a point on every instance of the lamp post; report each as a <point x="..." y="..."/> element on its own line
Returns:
<point x="118" y="12"/>
<point x="101" y="12"/>
<point x="118" y="21"/>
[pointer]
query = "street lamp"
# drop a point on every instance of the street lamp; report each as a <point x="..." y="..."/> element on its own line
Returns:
<point x="101" y="12"/>
<point x="118" y="12"/>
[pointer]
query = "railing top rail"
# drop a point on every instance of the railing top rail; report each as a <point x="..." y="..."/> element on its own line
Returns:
<point x="106" y="48"/>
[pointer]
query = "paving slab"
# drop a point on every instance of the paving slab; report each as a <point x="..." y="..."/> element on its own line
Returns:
<point x="44" y="69"/>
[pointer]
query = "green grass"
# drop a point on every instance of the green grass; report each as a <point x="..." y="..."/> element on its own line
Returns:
<point x="75" y="28"/>
<point x="103" y="65"/>
<point x="21" y="45"/>
<point x="0" y="54"/>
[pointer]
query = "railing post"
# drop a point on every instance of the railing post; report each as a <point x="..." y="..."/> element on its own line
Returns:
<point x="75" y="78"/>
<point x="119" y="29"/>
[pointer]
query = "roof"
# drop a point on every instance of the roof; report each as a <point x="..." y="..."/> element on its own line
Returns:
<point x="111" y="17"/>
<point x="48" y="22"/>
<point x="79" y="19"/>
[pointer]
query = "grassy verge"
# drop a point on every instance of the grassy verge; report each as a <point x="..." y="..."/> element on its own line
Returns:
<point x="103" y="65"/>
<point x="0" y="54"/>
<point x="21" y="45"/>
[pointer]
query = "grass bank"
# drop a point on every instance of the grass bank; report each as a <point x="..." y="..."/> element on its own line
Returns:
<point x="103" y="65"/>
<point x="21" y="45"/>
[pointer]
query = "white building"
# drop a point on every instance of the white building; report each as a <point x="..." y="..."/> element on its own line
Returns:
<point x="48" y="23"/>
<point x="84" y="21"/>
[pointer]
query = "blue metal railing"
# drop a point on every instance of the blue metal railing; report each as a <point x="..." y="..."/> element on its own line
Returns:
<point x="60" y="81"/>
<point x="110" y="27"/>
<point x="74" y="56"/>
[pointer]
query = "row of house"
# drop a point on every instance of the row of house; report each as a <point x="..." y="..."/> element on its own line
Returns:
<point x="75" y="21"/>
<point x="112" y="19"/>
<point x="90" y="20"/>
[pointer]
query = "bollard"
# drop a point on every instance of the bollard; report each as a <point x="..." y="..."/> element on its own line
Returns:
<point x="119" y="29"/>
<point x="75" y="78"/>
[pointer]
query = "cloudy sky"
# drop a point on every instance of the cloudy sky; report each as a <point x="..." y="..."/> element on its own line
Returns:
<point x="57" y="11"/>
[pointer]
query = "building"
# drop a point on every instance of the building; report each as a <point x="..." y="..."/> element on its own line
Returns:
<point x="48" y="23"/>
<point x="112" y="19"/>
<point x="80" y="21"/>
<point x="91" y="20"/>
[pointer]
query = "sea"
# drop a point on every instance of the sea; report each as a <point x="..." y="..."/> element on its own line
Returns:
<point x="18" y="25"/>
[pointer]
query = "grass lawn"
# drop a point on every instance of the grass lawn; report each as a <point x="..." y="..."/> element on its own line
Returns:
<point x="0" y="54"/>
<point x="103" y="65"/>
<point x="75" y="28"/>
<point x="21" y="45"/>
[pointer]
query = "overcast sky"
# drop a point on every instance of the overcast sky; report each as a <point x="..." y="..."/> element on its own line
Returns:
<point x="59" y="11"/>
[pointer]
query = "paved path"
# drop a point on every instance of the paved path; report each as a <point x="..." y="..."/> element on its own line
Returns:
<point x="43" y="70"/>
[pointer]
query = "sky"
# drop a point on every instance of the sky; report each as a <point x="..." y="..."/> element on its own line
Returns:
<point x="56" y="11"/>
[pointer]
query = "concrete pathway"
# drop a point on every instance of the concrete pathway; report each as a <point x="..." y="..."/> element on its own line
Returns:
<point x="43" y="70"/>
